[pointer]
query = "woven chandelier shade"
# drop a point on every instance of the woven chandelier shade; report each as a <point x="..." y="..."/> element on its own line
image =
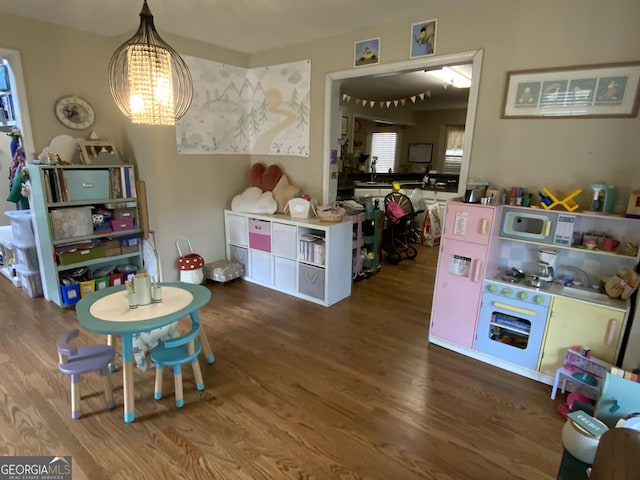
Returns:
<point x="149" y="81"/>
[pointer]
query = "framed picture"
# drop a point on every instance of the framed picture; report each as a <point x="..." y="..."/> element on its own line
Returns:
<point x="98" y="152"/>
<point x="423" y="39"/>
<point x="586" y="91"/>
<point x="345" y="125"/>
<point x="366" y="52"/>
<point x="420" y="152"/>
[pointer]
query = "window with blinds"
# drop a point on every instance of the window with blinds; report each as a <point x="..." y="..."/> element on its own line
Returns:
<point x="384" y="146"/>
<point x="454" y="138"/>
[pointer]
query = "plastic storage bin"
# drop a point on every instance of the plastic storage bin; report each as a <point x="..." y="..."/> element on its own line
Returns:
<point x="30" y="281"/>
<point x="70" y="294"/>
<point x="27" y="257"/>
<point x="87" y="287"/>
<point x="102" y="282"/>
<point x="21" y="226"/>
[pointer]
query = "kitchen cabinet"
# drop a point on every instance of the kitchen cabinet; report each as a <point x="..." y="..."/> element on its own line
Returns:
<point x="573" y="322"/>
<point x="306" y="258"/>
<point x="60" y="195"/>
<point x="463" y="260"/>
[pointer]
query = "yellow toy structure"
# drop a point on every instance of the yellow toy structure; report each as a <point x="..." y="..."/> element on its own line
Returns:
<point x="567" y="202"/>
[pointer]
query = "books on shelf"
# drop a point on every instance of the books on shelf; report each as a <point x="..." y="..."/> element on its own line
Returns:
<point x="311" y="249"/>
<point x="56" y="188"/>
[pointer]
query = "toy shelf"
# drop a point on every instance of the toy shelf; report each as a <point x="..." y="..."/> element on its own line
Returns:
<point x="567" y="202"/>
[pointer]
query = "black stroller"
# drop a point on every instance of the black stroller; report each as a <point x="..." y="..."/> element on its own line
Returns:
<point x="400" y="231"/>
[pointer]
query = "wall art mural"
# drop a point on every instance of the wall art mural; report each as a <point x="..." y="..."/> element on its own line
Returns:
<point x="262" y="111"/>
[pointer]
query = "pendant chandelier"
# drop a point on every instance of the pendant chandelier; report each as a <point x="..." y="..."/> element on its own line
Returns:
<point x="149" y="81"/>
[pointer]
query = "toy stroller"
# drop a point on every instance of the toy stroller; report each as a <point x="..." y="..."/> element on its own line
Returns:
<point x="400" y="231"/>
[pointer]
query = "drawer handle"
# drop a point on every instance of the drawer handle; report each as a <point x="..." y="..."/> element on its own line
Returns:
<point x="311" y="277"/>
<point x="611" y="331"/>
<point x="87" y="185"/>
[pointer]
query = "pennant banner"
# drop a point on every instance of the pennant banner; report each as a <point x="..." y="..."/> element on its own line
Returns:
<point x="386" y="103"/>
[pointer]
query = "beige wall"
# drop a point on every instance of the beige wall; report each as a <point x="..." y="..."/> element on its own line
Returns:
<point x="187" y="193"/>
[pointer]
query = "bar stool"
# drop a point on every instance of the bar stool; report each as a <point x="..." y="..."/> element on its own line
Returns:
<point x="76" y="361"/>
<point x="174" y="353"/>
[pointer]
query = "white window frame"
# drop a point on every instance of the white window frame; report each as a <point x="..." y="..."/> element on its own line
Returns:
<point x="384" y="167"/>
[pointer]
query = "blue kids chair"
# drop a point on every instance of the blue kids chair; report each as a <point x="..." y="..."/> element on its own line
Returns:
<point x="174" y="353"/>
<point x="75" y="361"/>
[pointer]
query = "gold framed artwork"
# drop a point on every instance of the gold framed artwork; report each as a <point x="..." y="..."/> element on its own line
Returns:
<point x="585" y="91"/>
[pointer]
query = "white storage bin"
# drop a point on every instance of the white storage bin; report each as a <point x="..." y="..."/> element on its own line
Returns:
<point x="261" y="267"/>
<point x="285" y="274"/>
<point x="21" y="226"/>
<point x="238" y="232"/>
<point x="284" y="240"/>
<point x="26" y="257"/>
<point x="30" y="281"/>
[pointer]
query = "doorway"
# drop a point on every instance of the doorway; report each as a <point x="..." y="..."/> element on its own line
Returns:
<point x="15" y="116"/>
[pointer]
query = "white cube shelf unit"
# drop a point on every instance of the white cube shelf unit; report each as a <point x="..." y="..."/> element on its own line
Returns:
<point x="305" y="258"/>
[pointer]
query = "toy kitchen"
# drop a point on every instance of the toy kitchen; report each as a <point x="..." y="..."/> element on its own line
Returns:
<point x="517" y="287"/>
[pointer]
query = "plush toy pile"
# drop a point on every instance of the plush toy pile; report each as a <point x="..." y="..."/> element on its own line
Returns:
<point x="269" y="191"/>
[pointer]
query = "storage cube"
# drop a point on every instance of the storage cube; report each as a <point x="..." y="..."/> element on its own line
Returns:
<point x="261" y="266"/>
<point x="260" y="234"/>
<point x="102" y="282"/>
<point x="70" y="294"/>
<point x="237" y="233"/>
<point x="71" y="222"/>
<point x="112" y="248"/>
<point x="89" y="184"/>
<point x="122" y="224"/>
<point x="30" y="281"/>
<point x="240" y="255"/>
<point x="115" y="279"/>
<point x="79" y="253"/>
<point x="124" y="212"/>
<point x="284" y="240"/>
<point x="311" y="281"/>
<point x="27" y="257"/>
<point x="21" y="226"/>
<point x="284" y="273"/>
<point x="87" y="287"/>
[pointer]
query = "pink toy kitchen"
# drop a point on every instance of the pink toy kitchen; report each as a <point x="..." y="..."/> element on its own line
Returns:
<point x="518" y="286"/>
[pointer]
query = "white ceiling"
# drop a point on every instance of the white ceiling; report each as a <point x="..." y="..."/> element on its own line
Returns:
<point x="251" y="26"/>
<point x="248" y="26"/>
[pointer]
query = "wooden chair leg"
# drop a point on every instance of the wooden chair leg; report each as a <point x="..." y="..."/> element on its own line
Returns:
<point x="197" y="373"/>
<point x="108" y="386"/>
<point x="177" y="373"/>
<point x="75" y="396"/>
<point x="206" y="348"/>
<point x="112" y="365"/>
<point x="158" y="388"/>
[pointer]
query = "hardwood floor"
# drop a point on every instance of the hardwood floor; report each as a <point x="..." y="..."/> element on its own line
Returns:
<point x="298" y="391"/>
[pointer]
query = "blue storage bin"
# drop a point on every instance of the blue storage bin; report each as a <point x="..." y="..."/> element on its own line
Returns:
<point x="70" y="294"/>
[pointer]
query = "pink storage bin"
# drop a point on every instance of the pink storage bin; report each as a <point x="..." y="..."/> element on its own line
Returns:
<point x="260" y="235"/>
<point x="121" y="224"/>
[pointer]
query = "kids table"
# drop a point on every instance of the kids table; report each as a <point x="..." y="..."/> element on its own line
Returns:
<point x="107" y="312"/>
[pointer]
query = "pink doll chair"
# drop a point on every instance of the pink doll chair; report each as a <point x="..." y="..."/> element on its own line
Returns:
<point x="75" y="361"/>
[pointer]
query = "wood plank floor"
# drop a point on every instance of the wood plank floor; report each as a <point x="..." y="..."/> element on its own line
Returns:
<point x="298" y="391"/>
